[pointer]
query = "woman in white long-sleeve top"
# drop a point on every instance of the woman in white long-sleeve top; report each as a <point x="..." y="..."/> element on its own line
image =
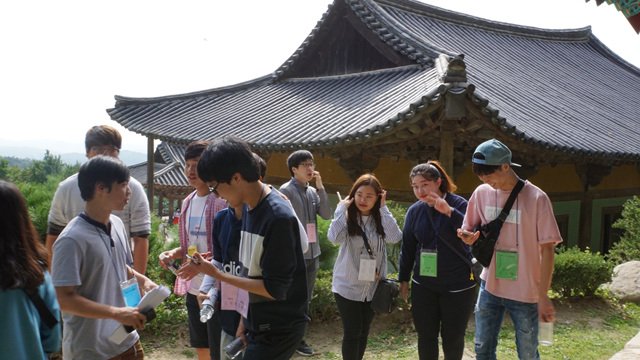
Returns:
<point x="361" y="217"/>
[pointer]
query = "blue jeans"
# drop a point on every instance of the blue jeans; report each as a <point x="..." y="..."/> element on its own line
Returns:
<point x="490" y="311"/>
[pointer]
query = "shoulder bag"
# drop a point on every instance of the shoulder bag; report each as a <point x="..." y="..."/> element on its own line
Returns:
<point x="483" y="248"/>
<point x="385" y="299"/>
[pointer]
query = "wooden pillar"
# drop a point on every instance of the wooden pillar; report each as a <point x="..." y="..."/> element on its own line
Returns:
<point x="171" y="209"/>
<point x="150" y="172"/>
<point x="447" y="136"/>
<point x="584" y="233"/>
<point x="160" y="207"/>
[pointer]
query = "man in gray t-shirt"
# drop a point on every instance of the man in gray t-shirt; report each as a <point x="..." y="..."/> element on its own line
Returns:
<point x="91" y="262"/>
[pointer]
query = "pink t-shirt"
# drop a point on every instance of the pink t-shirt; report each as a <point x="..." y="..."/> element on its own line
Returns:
<point x="530" y="223"/>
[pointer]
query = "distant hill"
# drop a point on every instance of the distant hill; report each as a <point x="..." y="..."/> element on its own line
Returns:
<point x="128" y="157"/>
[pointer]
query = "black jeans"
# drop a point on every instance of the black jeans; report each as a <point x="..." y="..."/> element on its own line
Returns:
<point x="356" y="321"/>
<point x="441" y="313"/>
<point x="272" y="345"/>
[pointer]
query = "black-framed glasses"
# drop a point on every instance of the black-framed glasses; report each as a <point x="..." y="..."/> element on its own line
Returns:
<point x="214" y="189"/>
<point x="308" y="165"/>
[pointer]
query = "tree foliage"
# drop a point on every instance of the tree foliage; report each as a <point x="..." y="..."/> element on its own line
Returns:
<point x="628" y="248"/>
<point x="38" y="183"/>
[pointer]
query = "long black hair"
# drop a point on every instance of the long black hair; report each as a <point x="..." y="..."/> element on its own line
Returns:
<point x="23" y="257"/>
<point x="353" y="214"/>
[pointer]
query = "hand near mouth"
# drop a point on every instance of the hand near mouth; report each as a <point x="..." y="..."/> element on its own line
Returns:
<point x="318" y="178"/>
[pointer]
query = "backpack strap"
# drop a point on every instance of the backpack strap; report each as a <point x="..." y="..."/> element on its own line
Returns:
<point x="44" y="312"/>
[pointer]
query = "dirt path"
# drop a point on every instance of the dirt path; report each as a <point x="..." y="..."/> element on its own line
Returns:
<point x="325" y="338"/>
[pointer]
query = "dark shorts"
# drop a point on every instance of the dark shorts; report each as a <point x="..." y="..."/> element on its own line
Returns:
<point x="197" y="331"/>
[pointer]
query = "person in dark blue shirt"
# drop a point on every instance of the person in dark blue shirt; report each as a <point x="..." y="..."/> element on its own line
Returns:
<point x="442" y="291"/>
<point x="272" y="287"/>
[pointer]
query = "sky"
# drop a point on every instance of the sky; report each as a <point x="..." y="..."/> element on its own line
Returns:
<point x="63" y="61"/>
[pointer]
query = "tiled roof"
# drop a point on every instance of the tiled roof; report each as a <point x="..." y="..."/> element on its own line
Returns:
<point x="169" y="172"/>
<point x="270" y="114"/>
<point x="562" y="88"/>
<point x="556" y="89"/>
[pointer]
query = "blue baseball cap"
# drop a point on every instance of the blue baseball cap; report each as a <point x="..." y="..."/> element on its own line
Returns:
<point x="492" y="152"/>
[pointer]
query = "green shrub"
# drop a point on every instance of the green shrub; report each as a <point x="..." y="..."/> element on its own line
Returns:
<point x="323" y="305"/>
<point x="393" y="250"/>
<point x="329" y="251"/>
<point x="38" y="198"/>
<point x="628" y="248"/>
<point x="172" y="311"/>
<point x="578" y="273"/>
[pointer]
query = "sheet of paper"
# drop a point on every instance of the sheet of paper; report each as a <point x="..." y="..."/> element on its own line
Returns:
<point x="150" y="300"/>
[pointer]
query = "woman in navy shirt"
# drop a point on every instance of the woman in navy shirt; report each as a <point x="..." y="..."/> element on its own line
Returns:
<point x="442" y="289"/>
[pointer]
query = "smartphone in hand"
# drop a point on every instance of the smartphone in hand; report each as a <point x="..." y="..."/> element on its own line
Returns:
<point x="193" y="259"/>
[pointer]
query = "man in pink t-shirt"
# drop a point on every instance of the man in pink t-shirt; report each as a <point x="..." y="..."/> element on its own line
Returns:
<point x="519" y="275"/>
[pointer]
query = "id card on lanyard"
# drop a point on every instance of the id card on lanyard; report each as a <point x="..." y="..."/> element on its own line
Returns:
<point x="130" y="292"/>
<point x="367" y="271"/>
<point x="429" y="263"/>
<point x="507" y="265"/>
<point x="429" y="257"/>
<point x="311" y="233"/>
<point x="234" y="298"/>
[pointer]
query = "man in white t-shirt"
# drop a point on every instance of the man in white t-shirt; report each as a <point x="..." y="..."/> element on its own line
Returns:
<point x="519" y="275"/>
<point x="67" y="202"/>
<point x="195" y="227"/>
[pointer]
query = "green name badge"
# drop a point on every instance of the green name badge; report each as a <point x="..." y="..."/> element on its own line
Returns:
<point x="507" y="265"/>
<point x="429" y="264"/>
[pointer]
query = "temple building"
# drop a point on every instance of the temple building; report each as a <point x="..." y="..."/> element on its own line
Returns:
<point x="381" y="85"/>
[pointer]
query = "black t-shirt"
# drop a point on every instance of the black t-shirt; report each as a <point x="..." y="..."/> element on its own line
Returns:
<point x="270" y="250"/>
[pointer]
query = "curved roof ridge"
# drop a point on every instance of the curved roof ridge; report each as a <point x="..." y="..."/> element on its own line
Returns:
<point x="394" y="34"/>
<point x="355" y="75"/>
<point x="125" y="100"/>
<point x="438" y="13"/>
<point x="612" y="55"/>
<point x="296" y="54"/>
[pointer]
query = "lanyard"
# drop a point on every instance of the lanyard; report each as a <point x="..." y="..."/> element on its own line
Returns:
<point x="115" y="268"/>
<point x="305" y="202"/>
<point x="424" y="227"/>
<point x="201" y="216"/>
<point x="517" y="214"/>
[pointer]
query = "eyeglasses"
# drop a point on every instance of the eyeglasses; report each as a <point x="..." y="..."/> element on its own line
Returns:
<point x="105" y="150"/>
<point x="214" y="189"/>
<point x="308" y="165"/>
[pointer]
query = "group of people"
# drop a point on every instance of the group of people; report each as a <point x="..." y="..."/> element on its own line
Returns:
<point x="258" y="247"/>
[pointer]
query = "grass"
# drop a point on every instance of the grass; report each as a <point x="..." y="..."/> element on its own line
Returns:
<point x="586" y="328"/>
<point x="592" y="328"/>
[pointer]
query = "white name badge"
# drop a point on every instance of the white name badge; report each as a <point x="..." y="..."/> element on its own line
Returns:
<point x="242" y="305"/>
<point x="367" y="269"/>
<point x="229" y="296"/>
<point x="311" y="233"/>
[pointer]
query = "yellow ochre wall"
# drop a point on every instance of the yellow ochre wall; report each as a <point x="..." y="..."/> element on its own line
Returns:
<point x="394" y="175"/>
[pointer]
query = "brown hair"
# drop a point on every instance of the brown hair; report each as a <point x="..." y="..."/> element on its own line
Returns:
<point x="102" y="135"/>
<point x="432" y="170"/>
<point x="23" y="256"/>
<point x="195" y="149"/>
<point x="353" y="214"/>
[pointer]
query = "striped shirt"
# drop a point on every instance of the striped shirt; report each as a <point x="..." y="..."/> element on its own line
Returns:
<point x="352" y="248"/>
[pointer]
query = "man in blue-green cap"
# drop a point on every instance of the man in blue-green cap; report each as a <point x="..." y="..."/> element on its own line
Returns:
<point x="521" y="268"/>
